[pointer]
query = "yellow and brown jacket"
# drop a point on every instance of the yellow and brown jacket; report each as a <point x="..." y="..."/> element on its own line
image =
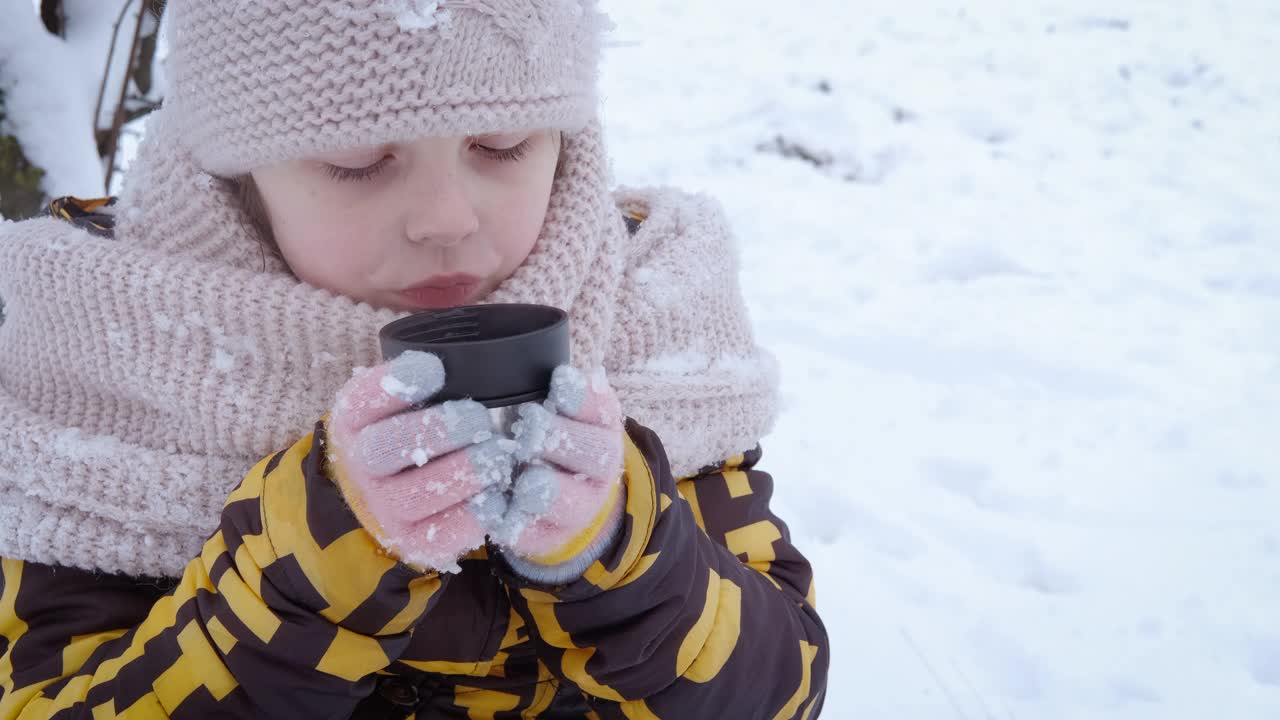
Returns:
<point x="704" y="609"/>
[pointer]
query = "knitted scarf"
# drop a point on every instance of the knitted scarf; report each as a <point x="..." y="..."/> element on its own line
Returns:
<point x="141" y="376"/>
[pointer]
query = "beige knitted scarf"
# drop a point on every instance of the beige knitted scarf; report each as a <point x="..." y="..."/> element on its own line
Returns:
<point x="142" y="376"/>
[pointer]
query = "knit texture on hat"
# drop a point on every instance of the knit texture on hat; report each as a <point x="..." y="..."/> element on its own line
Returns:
<point x="259" y="81"/>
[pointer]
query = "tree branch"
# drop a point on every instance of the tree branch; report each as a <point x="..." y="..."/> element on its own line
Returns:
<point x="118" y="119"/>
<point x="111" y="51"/>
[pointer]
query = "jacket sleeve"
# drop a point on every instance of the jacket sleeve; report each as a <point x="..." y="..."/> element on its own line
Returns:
<point x="704" y="609"/>
<point x="288" y="609"/>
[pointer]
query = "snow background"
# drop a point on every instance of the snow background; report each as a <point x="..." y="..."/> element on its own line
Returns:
<point x="1026" y="297"/>
<point x="1029" y="323"/>
<point x="52" y="85"/>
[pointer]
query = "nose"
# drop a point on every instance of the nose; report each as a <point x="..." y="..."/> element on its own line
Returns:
<point x="441" y="211"/>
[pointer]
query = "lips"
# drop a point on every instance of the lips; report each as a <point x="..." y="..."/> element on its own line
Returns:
<point x="443" y="291"/>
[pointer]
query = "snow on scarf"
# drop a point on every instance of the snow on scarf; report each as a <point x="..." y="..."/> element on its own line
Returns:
<point x="142" y="376"/>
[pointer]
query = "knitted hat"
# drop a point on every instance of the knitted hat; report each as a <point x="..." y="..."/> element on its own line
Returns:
<point x="260" y="81"/>
<point x="255" y="82"/>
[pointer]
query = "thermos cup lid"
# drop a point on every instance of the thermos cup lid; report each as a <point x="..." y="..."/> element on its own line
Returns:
<point x="498" y="355"/>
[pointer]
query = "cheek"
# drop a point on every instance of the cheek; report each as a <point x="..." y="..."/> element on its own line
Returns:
<point x="519" y="220"/>
<point x="519" y="228"/>
<point x="335" y="250"/>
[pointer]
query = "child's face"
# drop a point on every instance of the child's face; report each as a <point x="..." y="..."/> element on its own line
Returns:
<point x="437" y="222"/>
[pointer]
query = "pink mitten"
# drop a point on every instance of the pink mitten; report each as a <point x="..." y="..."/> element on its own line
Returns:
<point x="566" y="505"/>
<point x="425" y="483"/>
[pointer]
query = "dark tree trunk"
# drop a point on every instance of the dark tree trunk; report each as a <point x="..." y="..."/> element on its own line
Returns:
<point x="52" y="16"/>
<point x="20" y="193"/>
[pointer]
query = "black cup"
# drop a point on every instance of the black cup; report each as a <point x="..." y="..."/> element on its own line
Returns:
<point x="497" y="355"/>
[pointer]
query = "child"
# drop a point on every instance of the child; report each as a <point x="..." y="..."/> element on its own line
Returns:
<point x="319" y="169"/>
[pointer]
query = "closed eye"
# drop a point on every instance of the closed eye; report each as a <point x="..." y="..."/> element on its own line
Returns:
<point x="346" y="174"/>
<point x="514" y="153"/>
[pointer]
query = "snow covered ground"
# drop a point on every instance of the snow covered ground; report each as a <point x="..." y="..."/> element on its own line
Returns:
<point x="1026" y="296"/>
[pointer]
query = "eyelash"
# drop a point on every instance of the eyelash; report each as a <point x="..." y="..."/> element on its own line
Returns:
<point x="346" y="174"/>
<point x="511" y="154"/>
